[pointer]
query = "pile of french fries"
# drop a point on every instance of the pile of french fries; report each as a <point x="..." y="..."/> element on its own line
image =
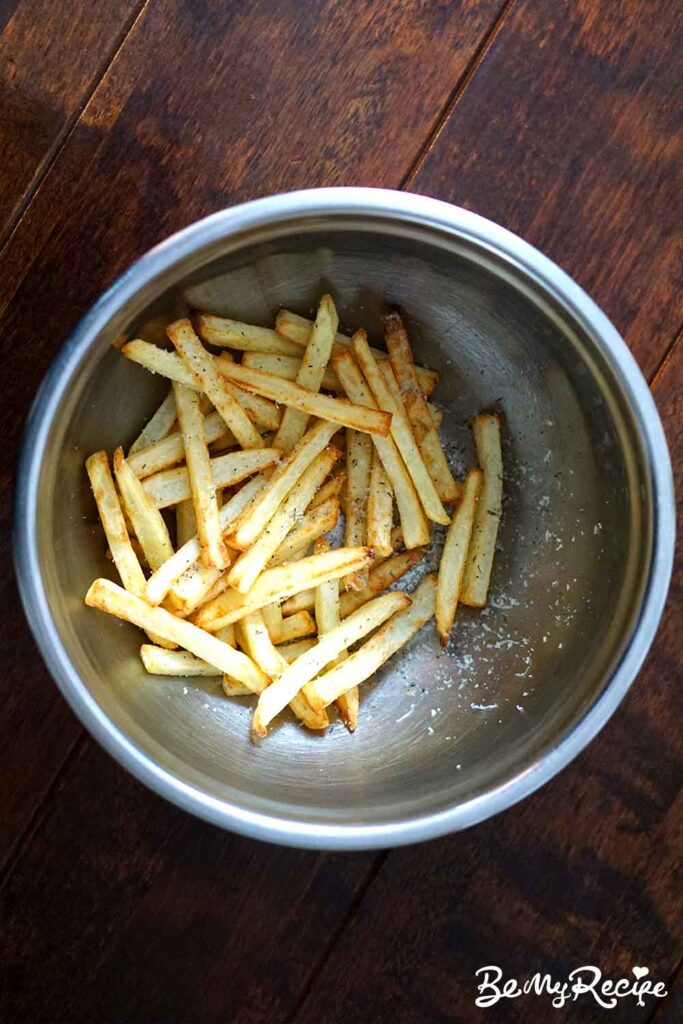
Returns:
<point x="258" y="459"/>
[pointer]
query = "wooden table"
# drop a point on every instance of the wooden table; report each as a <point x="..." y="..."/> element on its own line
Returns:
<point x="123" y="120"/>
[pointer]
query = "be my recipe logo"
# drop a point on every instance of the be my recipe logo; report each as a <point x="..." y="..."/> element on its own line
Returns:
<point x="582" y="983"/>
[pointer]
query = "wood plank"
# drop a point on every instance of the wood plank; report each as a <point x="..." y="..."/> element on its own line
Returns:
<point x="569" y="134"/>
<point x="51" y="56"/>
<point x="124" y="908"/>
<point x="586" y="871"/>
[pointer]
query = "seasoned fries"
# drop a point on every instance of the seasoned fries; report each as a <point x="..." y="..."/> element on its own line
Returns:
<point x="265" y="439"/>
<point x="475" y="586"/>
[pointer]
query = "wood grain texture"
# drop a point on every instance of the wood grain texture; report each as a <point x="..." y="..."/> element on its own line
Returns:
<point x="51" y="56"/>
<point x="570" y="134"/>
<point x="586" y="871"/>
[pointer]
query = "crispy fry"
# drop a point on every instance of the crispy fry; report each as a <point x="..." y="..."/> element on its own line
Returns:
<point x="158" y="426"/>
<point x="222" y="332"/>
<point x="426" y="434"/>
<point x="293" y="627"/>
<point x="272" y="616"/>
<point x="290" y="652"/>
<point x="475" y="584"/>
<point x="265" y="414"/>
<point x="288" y="367"/>
<point x="393" y="635"/>
<point x="253" y="561"/>
<point x="280" y="484"/>
<point x="400" y="431"/>
<point x="297" y="329"/>
<point x="185" y="522"/>
<point x="327" y="618"/>
<point x="454" y="556"/>
<point x="302" y="601"/>
<point x="214" y="550"/>
<point x="325" y="407"/>
<point x="390" y="381"/>
<point x="313" y="525"/>
<point x="173" y="485"/>
<point x="170" y="450"/>
<point x="413" y="519"/>
<point x="111" y="598"/>
<point x="331" y="489"/>
<point x="300" y="672"/>
<point x="112" y="519"/>
<point x="315" y="359"/>
<point x="359" y="449"/>
<point x="231" y="688"/>
<point x="205" y="374"/>
<point x="159" y="661"/>
<point x="150" y="528"/>
<point x="381" y="577"/>
<point x="380" y="510"/>
<point x="284" y="580"/>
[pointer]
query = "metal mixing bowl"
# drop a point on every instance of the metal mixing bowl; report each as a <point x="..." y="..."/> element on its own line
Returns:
<point x="444" y="739"/>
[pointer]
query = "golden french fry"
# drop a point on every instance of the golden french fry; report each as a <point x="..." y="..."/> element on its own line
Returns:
<point x="284" y="580"/>
<point x="265" y="414"/>
<point x="254" y="560"/>
<point x="259" y="646"/>
<point x="426" y="434"/>
<point x="300" y="672"/>
<point x="158" y="427"/>
<point x="111" y="598"/>
<point x="382" y="576"/>
<point x="287" y="367"/>
<point x="401" y="431"/>
<point x="315" y="359"/>
<point x="185" y="523"/>
<point x="172" y="486"/>
<point x="359" y="449"/>
<point x="272" y="616"/>
<point x="325" y="407"/>
<point x="289" y="471"/>
<point x="393" y="635"/>
<point x="223" y="332"/>
<point x="475" y="584"/>
<point x="148" y="523"/>
<point x="170" y="450"/>
<point x="327" y="618"/>
<point x="331" y="489"/>
<point x="390" y="381"/>
<point x="298" y="328"/>
<point x="380" y="510"/>
<point x="159" y="661"/>
<point x="413" y="519"/>
<point x="231" y="688"/>
<point x="302" y="601"/>
<point x="290" y="652"/>
<point x="202" y="366"/>
<point x="454" y="555"/>
<point x="214" y="550"/>
<point x="293" y="627"/>
<point x="313" y="525"/>
<point x="114" y="523"/>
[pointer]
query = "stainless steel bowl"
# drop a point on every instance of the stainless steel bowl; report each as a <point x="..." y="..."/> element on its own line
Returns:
<point x="445" y="739"/>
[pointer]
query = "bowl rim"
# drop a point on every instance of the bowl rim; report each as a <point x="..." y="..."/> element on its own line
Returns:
<point x="371" y="203"/>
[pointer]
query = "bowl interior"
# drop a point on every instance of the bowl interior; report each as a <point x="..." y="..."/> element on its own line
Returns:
<point x="436" y="728"/>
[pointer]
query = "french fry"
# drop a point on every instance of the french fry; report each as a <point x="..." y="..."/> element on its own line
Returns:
<point x="172" y="486"/>
<point x="225" y="333"/>
<point x="111" y="598"/>
<point x="288" y="367"/>
<point x="302" y="601"/>
<point x="426" y="434"/>
<point x="273" y="700"/>
<point x="158" y="427"/>
<point x="290" y="652"/>
<point x="159" y="661"/>
<point x="380" y="508"/>
<point x="114" y="524"/>
<point x="272" y="616"/>
<point x="148" y="523"/>
<point x="332" y="489"/>
<point x="359" y="666"/>
<point x="265" y="414"/>
<point x="280" y="484"/>
<point x="327" y="618"/>
<point x="231" y="688"/>
<point x="401" y="431"/>
<point x="214" y="550"/>
<point x="202" y="366"/>
<point x="390" y="381"/>
<point x="170" y="450"/>
<point x="413" y="519"/>
<point x="183" y="575"/>
<point x="253" y="561"/>
<point x="298" y="328"/>
<point x="185" y="522"/>
<point x="325" y="407"/>
<point x="475" y="584"/>
<point x="454" y="556"/>
<point x="284" y="580"/>
<point x="313" y="525"/>
<point x="359" y="449"/>
<point x="381" y="577"/>
<point x="313" y="364"/>
<point x="293" y="627"/>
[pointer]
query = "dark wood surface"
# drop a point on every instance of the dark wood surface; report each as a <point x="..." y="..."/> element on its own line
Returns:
<point x="557" y="120"/>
